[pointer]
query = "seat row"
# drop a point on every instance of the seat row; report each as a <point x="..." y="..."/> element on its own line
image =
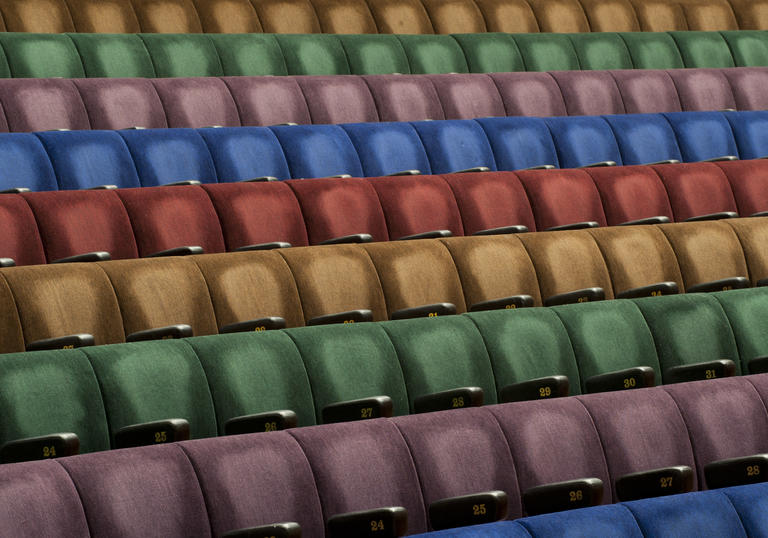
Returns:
<point x="390" y="16"/>
<point x="261" y="101"/>
<point x="151" y="157"/>
<point x="117" y="300"/>
<point x="45" y="227"/>
<point x="313" y="475"/>
<point x="198" y="55"/>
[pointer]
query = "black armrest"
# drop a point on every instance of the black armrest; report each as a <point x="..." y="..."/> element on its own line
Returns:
<point x="517" y="229"/>
<point x="600" y="164"/>
<point x="254" y="325"/>
<point x="260" y="179"/>
<point x="99" y="256"/>
<point x="713" y="216"/>
<point x="505" y="303"/>
<point x="286" y="124"/>
<point x="758" y="365"/>
<point x="434" y="234"/>
<point x="354" y="238"/>
<point x="339" y="176"/>
<point x="468" y="510"/>
<point x="264" y="246"/>
<point x="277" y="530"/>
<point x="631" y="378"/>
<point x="473" y="169"/>
<point x="573" y="226"/>
<point x="543" y="388"/>
<point x="405" y="173"/>
<point x="700" y="371"/>
<point x="389" y="522"/>
<point x="763" y="282"/>
<point x="661" y="219"/>
<point x="15" y="190"/>
<point x="362" y="409"/>
<point x="426" y="311"/>
<point x="665" y="161"/>
<point x="178" y="251"/>
<point x="103" y="188"/>
<point x="352" y="316"/>
<point x="449" y="399"/>
<point x="540" y="167"/>
<point x="655" y="483"/>
<point x="654" y="290"/>
<point x="586" y="295"/>
<point x="760" y="214"/>
<point x="561" y="496"/>
<point x="261" y="422"/>
<point x="152" y="433"/>
<point x="57" y="445"/>
<point x="171" y="332"/>
<point x="7" y="262"/>
<point x="183" y="183"/>
<point x="725" y="284"/>
<point x="721" y="159"/>
<point x="71" y="341"/>
<point x="736" y="471"/>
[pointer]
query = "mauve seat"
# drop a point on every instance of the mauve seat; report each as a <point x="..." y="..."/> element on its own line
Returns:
<point x="268" y="100"/>
<point x="464" y="96"/>
<point x="64" y="108"/>
<point x="405" y="97"/>
<point x="344" y="99"/>
<point x="747" y="84"/>
<point x="122" y="103"/>
<point x="703" y="89"/>
<point x="589" y="93"/>
<point x="647" y="91"/>
<point x="530" y="94"/>
<point x="197" y="102"/>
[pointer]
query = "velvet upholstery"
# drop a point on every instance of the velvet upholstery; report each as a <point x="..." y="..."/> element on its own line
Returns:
<point x="535" y="94"/>
<point x="200" y="102"/>
<point x="63" y="107"/>
<point x="586" y="92"/>
<point x="388" y="148"/>
<point x="751" y="238"/>
<point x="467" y="96"/>
<point x="174" y="16"/>
<point x="631" y="193"/>
<point x="274" y="101"/>
<point x="744" y="310"/>
<point x="22" y="242"/>
<point x="182" y="55"/>
<point x="121" y="104"/>
<point x="338" y="99"/>
<point x="241" y="153"/>
<point x="112" y="55"/>
<point x="693" y="192"/>
<point x="688" y="83"/>
<point x="231" y="17"/>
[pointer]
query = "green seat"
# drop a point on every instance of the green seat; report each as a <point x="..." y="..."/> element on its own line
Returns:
<point x="527" y="344"/>
<point x="183" y="55"/>
<point x="652" y="50"/>
<point x="547" y="52"/>
<point x="249" y="54"/>
<point x="313" y="54"/>
<point x="440" y="354"/>
<point x="608" y="337"/>
<point x="374" y="54"/>
<point x="490" y="53"/>
<point x="689" y="329"/>
<point x="254" y="373"/>
<point x="150" y="381"/>
<point x="41" y="55"/>
<point x="703" y="49"/>
<point x="749" y="48"/>
<point x="48" y="392"/>
<point x="601" y="50"/>
<point x="350" y="362"/>
<point x="113" y="55"/>
<point x="433" y="54"/>
<point x="747" y="310"/>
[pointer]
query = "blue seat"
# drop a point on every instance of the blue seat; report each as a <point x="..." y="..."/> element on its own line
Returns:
<point x="644" y="138"/>
<point x="703" y="135"/>
<point x="245" y="153"/>
<point x="25" y="163"/>
<point x="85" y="159"/>
<point x="583" y="140"/>
<point x="318" y="151"/>
<point x="520" y="142"/>
<point x="750" y="129"/>
<point x="751" y="503"/>
<point x="609" y="520"/>
<point x="387" y="148"/>
<point x="454" y="145"/>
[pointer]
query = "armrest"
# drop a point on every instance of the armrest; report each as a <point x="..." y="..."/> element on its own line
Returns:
<point x="586" y="295"/>
<point x="426" y="311"/>
<point x="100" y="256"/>
<point x="713" y="216"/>
<point x="260" y="179"/>
<point x="449" y="399"/>
<point x="385" y="522"/>
<point x="655" y="483"/>
<point x="473" y="169"/>
<point x="561" y="496"/>
<point x="540" y="167"/>
<point x="152" y="433"/>
<point x="7" y="262"/>
<point x="57" y="445"/>
<point x="362" y="409"/>
<point x="725" y="284"/>
<point x="178" y="251"/>
<point x="661" y="219"/>
<point x="555" y="386"/>
<point x="760" y="214"/>
<point x="700" y="371"/>
<point x="171" y="332"/>
<point x="506" y="303"/>
<point x="15" y="190"/>
<point x="665" y="161"/>
<point x="518" y="229"/>
<point x="434" y="234"/>
<point x="574" y="226"/>
<point x="600" y="164"/>
<point x="103" y="188"/>
<point x="763" y="282"/>
<point x="351" y="316"/>
<point x="736" y="471"/>
<point x="758" y="365"/>
<point x="631" y="378"/>
<point x="346" y="239"/>
<point x="254" y="325"/>
<point x="286" y="124"/>
<point x="468" y="510"/>
<point x="405" y="173"/>
<point x="264" y="246"/>
<point x="339" y="176"/>
<point x="183" y="183"/>
<point x="277" y="530"/>
<point x="654" y="290"/>
<point x="261" y="422"/>
<point x="70" y="341"/>
<point x="721" y="159"/>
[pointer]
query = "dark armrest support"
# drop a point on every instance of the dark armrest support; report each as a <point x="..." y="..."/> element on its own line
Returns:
<point x="260" y="179"/>
<point x="468" y="510"/>
<point x="426" y="311"/>
<point x="413" y="172"/>
<point x="152" y="433"/>
<point x="71" y="341"/>
<point x="277" y="530"/>
<point x="506" y="303"/>
<point x="758" y="365"/>
<point x="178" y="251"/>
<point x="339" y="176"/>
<point x="665" y="161"/>
<point x="7" y="262"/>
<point x="655" y="483"/>
<point x="362" y="409"/>
<point x="57" y="445"/>
<point x="725" y="284"/>
<point x="721" y="159"/>
<point x="654" y="290"/>
<point x="348" y="239"/>
<point x="713" y="216"/>
<point x="587" y="295"/>
<point x="763" y="282"/>
<point x="472" y="170"/>
<point x="449" y="399"/>
<point x="700" y="371"/>
<point x="561" y="496"/>
<point x="631" y="378"/>
<point x="264" y="246"/>
<point x="351" y="316"/>
<point x="99" y="256"/>
<point x="540" y="167"/>
<point x="650" y="220"/>
<point x="543" y="388"/>
<point x="517" y="229"/>
<point x="171" y="332"/>
<point x="573" y="226"/>
<point x="389" y="522"/>
<point x="736" y="471"/>
<point x="183" y="183"/>
<point x="15" y="190"/>
<point x="103" y="188"/>
<point x="254" y="325"/>
<point x="434" y="234"/>
<point x="261" y="422"/>
<point x="601" y="164"/>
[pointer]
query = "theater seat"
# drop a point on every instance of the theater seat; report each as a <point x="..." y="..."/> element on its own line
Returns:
<point x="653" y="48"/>
<point x="235" y="17"/>
<point x="467" y="96"/>
<point x="455" y="145"/>
<point x="644" y="138"/>
<point x="648" y="91"/>
<point x="21" y="102"/>
<point x="374" y="54"/>
<point x="27" y="163"/>
<point x="405" y="97"/>
<point x="182" y="55"/>
<point x="520" y="143"/>
<point x="530" y="94"/>
<point x="601" y="51"/>
<point x="401" y="17"/>
<point x="697" y="189"/>
<point x="347" y="17"/>
<point x="249" y="54"/>
<point x="313" y="54"/>
<point x="198" y="102"/>
<point x="113" y="55"/>
<point x="568" y="136"/>
<point x="751" y="235"/>
<point x="41" y="55"/>
<point x="338" y="99"/>
<point x="174" y="16"/>
<point x="560" y="15"/>
<point x="695" y="145"/>
<point x="748" y="49"/>
<point x="269" y="101"/>
<point x="432" y="54"/>
<point x="744" y="309"/>
<point x="121" y="104"/>
<point x="703" y="49"/>
<point x="552" y="52"/>
<point x="493" y="52"/>
<point x="455" y="17"/>
<point x="609" y="520"/>
<point x="388" y="148"/>
<point x="748" y="132"/>
<point x="318" y="151"/>
<point x="514" y="16"/>
<point x="21" y="237"/>
<point x="287" y="16"/>
<point x="245" y="153"/>
<point x="703" y="89"/>
<point x="631" y="193"/>
<point x="611" y="16"/>
<point x="588" y="93"/>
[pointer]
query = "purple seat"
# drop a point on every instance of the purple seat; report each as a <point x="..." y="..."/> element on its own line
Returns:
<point x="589" y="93"/>
<point x="703" y="89"/>
<point x="464" y="96"/>
<point x="338" y="99"/>
<point x="197" y="102"/>
<point x="268" y="100"/>
<point x="405" y="97"/>
<point x="254" y="480"/>
<point x="646" y="91"/>
<point x="530" y="94"/>
<point x="21" y="100"/>
<point x="121" y="103"/>
<point x="363" y="466"/>
<point x="748" y="85"/>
